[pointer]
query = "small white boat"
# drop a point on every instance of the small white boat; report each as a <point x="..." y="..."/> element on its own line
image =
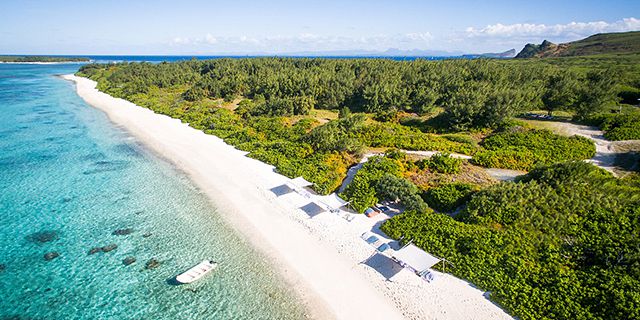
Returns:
<point x="197" y="272"/>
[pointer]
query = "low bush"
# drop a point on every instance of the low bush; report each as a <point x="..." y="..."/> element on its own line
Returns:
<point x="361" y="192"/>
<point x="393" y="135"/>
<point x="445" y="163"/>
<point x="522" y="150"/>
<point x="448" y="197"/>
<point x="617" y="127"/>
<point x="622" y="127"/>
<point x="393" y="188"/>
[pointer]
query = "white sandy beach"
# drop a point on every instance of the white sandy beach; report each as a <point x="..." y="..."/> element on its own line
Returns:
<point x="321" y="256"/>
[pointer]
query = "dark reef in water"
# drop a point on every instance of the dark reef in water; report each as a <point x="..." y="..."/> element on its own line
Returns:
<point x="51" y="255"/>
<point x="152" y="264"/>
<point x="43" y="236"/>
<point x="106" y="166"/>
<point x="106" y="248"/>
<point x="122" y="232"/>
<point x="109" y="247"/>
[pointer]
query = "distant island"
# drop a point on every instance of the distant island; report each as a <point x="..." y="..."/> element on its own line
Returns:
<point x="498" y="55"/>
<point x="603" y="43"/>
<point x="42" y="59"/>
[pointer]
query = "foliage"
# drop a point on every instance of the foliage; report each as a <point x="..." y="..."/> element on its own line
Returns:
<point x="559" y="244"/>
<point x="338" y="135"/>
<point x="393" y="188"/>
<point x="361" y="192"/>
<point x="522" y="150"/>
<point x="476" y="93"/>
<point x="560" y="91"/>
<point x="441" y="162"/>
<point x="621" y="127"/>
<point x="393" y="135"/>
<point x="448" y="197"/>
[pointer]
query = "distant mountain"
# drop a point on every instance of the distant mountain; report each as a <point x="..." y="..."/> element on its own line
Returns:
<point x="602" y="43"/>
<point x="507" y="54"/>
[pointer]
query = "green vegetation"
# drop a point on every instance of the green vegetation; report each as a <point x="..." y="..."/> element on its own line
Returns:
<point x="523" y="150"/>
<point x="448" y="197"/>
<point x="604" y="43"/>
<point x="618" y="126"/>
<point x="560" y="244"/>
<point x="474" y="94"/>
<point x="441" y="162"/>
<point x="42" y="59"/>
<point x="363" y="191"/>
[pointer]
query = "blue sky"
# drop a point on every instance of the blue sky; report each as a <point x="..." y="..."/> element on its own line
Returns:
<point x="276" y="26"/>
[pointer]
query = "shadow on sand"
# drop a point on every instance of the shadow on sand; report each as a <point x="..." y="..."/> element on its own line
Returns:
<point x="383" y="265"/>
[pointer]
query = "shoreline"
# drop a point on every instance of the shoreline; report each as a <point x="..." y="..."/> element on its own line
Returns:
<point x="44" y="63"/>
<point x="321" y="258"/>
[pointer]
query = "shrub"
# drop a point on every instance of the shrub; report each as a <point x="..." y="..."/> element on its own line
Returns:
<point x="393" y="135"/>
<point x="617" y="126"/>
<point x="448" y="197"/>
<point x="630" y="95"/>
<point x="441" y="162"/>
<point x="393" y="188"/>
<point x="513" y="159"/>
<point x="621" y="127"/>
<point x="337" y="135"/>
<point x="522" y="150"/>
<point x="361" y="191"/>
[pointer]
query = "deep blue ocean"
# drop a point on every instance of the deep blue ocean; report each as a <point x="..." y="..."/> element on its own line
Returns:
<point x="158" y="58"/>
<point x="69" y="179"/>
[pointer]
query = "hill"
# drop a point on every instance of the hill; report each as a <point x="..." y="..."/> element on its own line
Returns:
<point x="506" y="54"/>
<point x="603" y="43"/>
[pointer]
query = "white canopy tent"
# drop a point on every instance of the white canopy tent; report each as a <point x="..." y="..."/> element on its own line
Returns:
<point x="333" y="202"/>
<point x="301" y="182"/>
<point x="415" y="258"/>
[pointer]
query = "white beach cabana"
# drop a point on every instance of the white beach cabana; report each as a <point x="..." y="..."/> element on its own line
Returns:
<point x="298" y="184"/>
<point x="301" y="182"/>
<point x="414" y="258"/>
<point x="333" y="202"/>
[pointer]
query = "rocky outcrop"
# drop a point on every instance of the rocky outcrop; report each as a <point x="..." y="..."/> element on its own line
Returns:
<point x="128" y="260"/>
<point x="152" y="264"/>
<point x="122" y="232"/>
<point x="545" y="49"/>
<point x="51" y="255"/>
<point x="109" y="247"/>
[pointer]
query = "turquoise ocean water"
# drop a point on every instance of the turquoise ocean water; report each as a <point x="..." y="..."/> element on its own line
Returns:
<point x="68" y="179"/>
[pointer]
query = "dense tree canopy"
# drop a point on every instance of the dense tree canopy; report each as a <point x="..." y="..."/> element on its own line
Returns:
<point x="474" y="93"/>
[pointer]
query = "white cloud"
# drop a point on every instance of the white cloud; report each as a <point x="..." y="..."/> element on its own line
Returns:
<point x="571" y="30"/>
<point x="210" y="39"/>
<point x="302" y="42"/>
<point x="425" y="36"/>
<point x="180" y="41"/>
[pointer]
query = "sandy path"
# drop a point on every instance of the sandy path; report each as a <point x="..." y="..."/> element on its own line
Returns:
<point x="321" y="257"/>
<point x="607" y="152"/>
